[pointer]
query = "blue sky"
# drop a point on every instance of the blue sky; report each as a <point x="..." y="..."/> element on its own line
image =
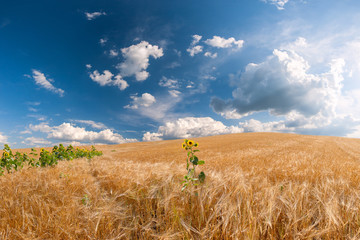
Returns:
<point x="110" y="72"/>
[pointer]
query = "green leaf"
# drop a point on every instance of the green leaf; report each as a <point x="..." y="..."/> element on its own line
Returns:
<point x="194" y="160"/>
<point x="201" y="162"/>
<point x="195" y="150"/>
<point x="202" y="177"/>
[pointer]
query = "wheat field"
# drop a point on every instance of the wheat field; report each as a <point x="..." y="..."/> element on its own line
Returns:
<point x="258" y="186"/>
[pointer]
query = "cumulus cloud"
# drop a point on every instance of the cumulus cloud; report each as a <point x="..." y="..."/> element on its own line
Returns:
<point x="254" y="125"/>
<point x="43" y="82"/>
<point x="190" y="127"/>
<point x="195" y="49"/>
<point x="281" y="84"/>
<point x="220" y="42"/>
<point x="93" y="15"/>
<point x="42" y="127"/>
<point x="196" y="39"/>
<point x="278" y="3"/>
<point x="146" y="100"/>
<point x="283" y="87"/>
<point x="137" y="59"/>
<point x="3" y="138"/>
<point x="88" y="66"/>
<point x="169" y="83"/>
<point x="70" y="132"/>
<point x="106" y="79"/>
<point x="149" y="137"/>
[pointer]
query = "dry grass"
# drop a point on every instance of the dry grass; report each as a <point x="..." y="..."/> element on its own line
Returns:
<point x="258" y="186"/>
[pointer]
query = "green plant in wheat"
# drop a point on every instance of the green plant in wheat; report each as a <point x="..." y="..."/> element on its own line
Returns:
<point x="191" y="162"/>
<point x="14" y="162"/>
<point x="10" y="161"/>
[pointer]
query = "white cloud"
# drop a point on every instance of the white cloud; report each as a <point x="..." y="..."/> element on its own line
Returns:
<point x="69" y="132"/>
<point x="3" y="139"/>
<point x="37" y="116"/>
<point x="283" y="86"/>
<point x="220" y="42"/>
<point x="210" y="55"/>
<point x="93" y="15"/>
<point x="137" y="59"/>
<point x="113" y="53"/>
<point x="88" y="66"/>
<point x="278" y="3"/>
<point x="174" y="93"/>
<point x="196" y="39"/>
<point x="169" y="83"/>
<point x="121" y="83"/>
<point x="194" y="50"/>
<point x="146" y="100"/>
<point x="149" y="137"/>
<point x="34" y="141"/>
<point x="102" y="41"/>
<point x="253" y="125"/>
<point x="162" y="109"/>
<point x="42" y="127"/>
<point x="25" y="132"/>
<point x="191" y="127"/>
<point x="41" y="81"/>
<point x="106" y="79"/>
<point x="93" y="124"/>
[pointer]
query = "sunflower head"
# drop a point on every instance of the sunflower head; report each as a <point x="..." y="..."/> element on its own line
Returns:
<point x="42" y="149"/>
<point x="184" y="145"/>
<point x="190" y="143"/>
<point x="5" y="154"/>
<point x="196" y="144"/>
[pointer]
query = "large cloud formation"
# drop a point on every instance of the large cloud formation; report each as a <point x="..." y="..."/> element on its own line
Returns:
<point x="190" y="127"/>
<point x="70" y="132"/>
<point x="283" y="86"/>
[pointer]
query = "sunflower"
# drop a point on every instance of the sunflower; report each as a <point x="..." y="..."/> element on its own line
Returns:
<point x="42" y="149"/>
<point x="190" y="143"/>
<point x="6" y="154"/>
<point x="184" y="145"/>
<point x="196" y="144"/>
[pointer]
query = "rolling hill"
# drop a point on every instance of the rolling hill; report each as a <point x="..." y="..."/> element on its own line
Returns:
<point x="258" y="186"/>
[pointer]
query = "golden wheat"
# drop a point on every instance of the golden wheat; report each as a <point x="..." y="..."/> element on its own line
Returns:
<point x="258" y="186"/>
